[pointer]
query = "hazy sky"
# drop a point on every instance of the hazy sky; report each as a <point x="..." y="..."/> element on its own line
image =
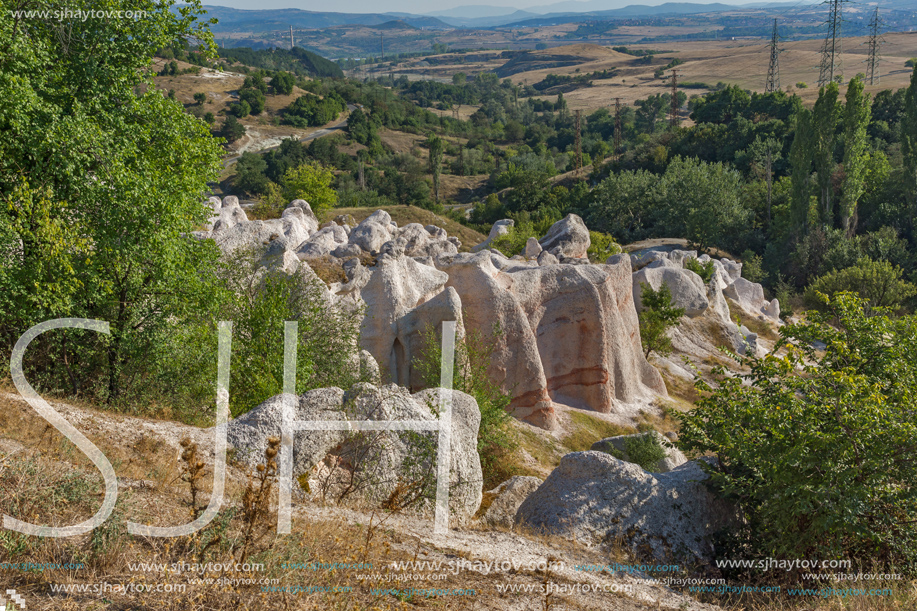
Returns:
<point x="417" y="6"/>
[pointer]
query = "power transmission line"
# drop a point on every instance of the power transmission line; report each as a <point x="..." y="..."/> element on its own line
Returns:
<point x="773" y="71"/>
<point x="872" y="63"/>
<point x="831" y="65"/>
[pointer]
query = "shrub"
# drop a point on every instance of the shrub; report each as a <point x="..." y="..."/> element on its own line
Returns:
<point x="658" y="316"/>
<point x="801" y="85"/>
<point x="644" y="450"/>
<point x="877" y="282"/>
<point x="911" y="62"/>
<point x="311" y="182"/>
<point x="704" y="270"/>
<point x="817" y="449"/>
<point x="753" y="267"/>
<point x="473" y="355"/>
<point x="601" y="247"/>
<point x="258" y="304"/>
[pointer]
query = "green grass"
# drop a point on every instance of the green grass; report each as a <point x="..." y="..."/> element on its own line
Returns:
<point x="589" y="429"/>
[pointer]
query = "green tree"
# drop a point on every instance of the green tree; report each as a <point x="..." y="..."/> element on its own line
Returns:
<point x="250" y="173"/>
<point x="436" y="149"/>
<point x="825" y="118"/>
<point x="231" y="129"/>
<point x="816" y="447"/>
<point x="255" y="100"/>
<point x="200" y="98"/>
<point x="878" y="283"/>
<point x="282" y="83"/>
<point x="127" y="169"/>
<point x="909" y="138"/>
<point x="701" y="203"/>
<point x="857" y="111"/>
<point x="659" y="314"/>
<point x="459" y="78"/>
<point x="801" y="153"/>
<point x="258" y="303"/>
<point x="311" y="182"/>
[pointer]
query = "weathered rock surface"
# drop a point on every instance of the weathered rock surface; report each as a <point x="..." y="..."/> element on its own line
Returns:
<point x="568" y="237"/>
<point x="597" y="499"/>
<point x="385" y="466"/>
<point x="618" y="447"/>
<point x="507" y="498"/>
<point x="687" y="288"/>
<point x="402" y="298"/>
<point x="569" y="333"/>
<point x="750" y="297"/>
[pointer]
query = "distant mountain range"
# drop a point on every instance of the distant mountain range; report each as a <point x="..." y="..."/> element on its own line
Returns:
<point x="485" y="16"/>
<point x="239" y="20"/>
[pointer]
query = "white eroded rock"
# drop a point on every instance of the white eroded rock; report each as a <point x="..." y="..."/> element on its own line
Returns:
<point x="508" y="496"/>
<point x="687" y="288"/>
<point x="596" y="499"/>
<point x="568" y="237"/>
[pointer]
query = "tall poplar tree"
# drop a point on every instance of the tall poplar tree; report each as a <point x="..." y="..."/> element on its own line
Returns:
<point x="856" y="119"/>
<point x="826" y="116"/>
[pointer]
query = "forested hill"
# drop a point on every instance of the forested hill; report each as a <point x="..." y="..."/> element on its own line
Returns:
<point x="298" y="60"/>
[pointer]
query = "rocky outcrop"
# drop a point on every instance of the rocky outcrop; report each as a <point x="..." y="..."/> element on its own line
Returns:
<point x="686" y="287"/>
<point x="566" y="334"/>
<point x="567" y="238"/>
<point x="622" y="445"/>
<point x="599" y="500"/>
<point x="506" y="499"/>
<point x="566" y="331"/>
<point x="750" y="297"/>
<point x="377" y="462"/>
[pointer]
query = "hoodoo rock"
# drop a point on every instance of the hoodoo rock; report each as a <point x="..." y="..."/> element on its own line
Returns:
<point x="567" y="334"/>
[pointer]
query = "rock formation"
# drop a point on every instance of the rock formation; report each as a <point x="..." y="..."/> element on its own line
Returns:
<point x="599" y="500"/>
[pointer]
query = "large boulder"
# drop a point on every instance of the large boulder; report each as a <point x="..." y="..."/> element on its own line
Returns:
<point x="622" y="445"/>
<point x="568" y="238"/>
<point x="374" y="231"/>
<point x="379" y="463"/>
<point x="323" y="242"/>
<point x="687" y="288"/>
<point x="568" y="334"/>
<point x="599" y="500"/>
<point x="506" y="500"/>
<point x="499" y="228"/>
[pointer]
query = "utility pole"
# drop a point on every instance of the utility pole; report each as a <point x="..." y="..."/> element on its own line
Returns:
<point x="617" y="128"/>
<point x="579" y="143"/>
<point x="382" y="45"/>
<point x="291" y="38"/>
<point x="831" y="50"/>
<point x="673" y="111"/>
<point x="773" y="70"/>
<point x="872" y="64"/>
